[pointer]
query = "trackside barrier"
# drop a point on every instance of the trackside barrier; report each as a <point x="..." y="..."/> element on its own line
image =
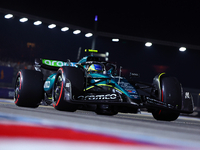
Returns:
<point x="7" y="93"/>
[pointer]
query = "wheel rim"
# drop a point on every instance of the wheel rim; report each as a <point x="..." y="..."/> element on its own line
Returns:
<point x="57" y="89"/>
<point x="17" y="87"/>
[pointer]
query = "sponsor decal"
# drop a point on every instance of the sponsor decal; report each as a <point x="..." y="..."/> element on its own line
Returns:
<point x="98" y="97"/>
<point x="56" y="63"/>
<point x="135" y="96"/>
<point x="11" y="94"/>
<point x="128" y="87"/>
<point x="130" y="91"/>
<point x="7" y="92"/>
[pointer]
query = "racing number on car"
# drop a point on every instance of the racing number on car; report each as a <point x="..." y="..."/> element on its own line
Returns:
<point x="2" y="74"/>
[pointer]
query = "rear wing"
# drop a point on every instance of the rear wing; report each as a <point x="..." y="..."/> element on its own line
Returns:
<point x="52" y="64"/>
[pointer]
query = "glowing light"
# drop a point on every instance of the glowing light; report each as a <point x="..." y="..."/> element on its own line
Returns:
<point x="115" y="40"/>
<point x="88" y="35"/>
<point x="91" y="50"/>
<point x="37" y="23"/>
<point x="64" y="29"/>
<point x="182" y="49"/>
<point x="96" y="18"/>
<point x="8" y="16"/>
<point x="148" y="44"/>
<point x="51" y="26"/>
<point x="77" y="32"/>
<point x="23" y="19"/>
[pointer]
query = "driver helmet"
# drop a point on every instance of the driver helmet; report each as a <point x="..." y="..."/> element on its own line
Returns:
<point x="95" y="68"/>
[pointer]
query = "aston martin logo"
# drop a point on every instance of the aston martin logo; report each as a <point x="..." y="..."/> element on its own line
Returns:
<point x="98" y="97"/>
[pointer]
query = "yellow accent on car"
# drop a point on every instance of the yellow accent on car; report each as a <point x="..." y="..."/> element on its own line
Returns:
<point x="159" y="78"/>
<point x="89" y="88"/>
<point x="160" y="75"/>
<point x="91" y="50"/>
<point x="104" y="85"/>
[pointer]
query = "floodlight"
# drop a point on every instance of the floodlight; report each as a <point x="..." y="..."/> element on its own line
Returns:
<point x="77" y="32"/>
<point x="51" y="26"/>
<point x="64" y="29"/>
<point x="115" y="40"/>
<point x="8" y="16"/>
<point x="37" y="23"/>
<point x="23" y="19"/>
<point x="182" y="49"/>
<point x="148" y="44"/>
<point x="88" y="35"/>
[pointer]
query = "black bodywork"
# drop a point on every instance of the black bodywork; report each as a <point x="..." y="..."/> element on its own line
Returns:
<point x="70" y="87"/>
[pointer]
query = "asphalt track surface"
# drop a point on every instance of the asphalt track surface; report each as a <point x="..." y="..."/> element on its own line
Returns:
<point x="142" y="129"/>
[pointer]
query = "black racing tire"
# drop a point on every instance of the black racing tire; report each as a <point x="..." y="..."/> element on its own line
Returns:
<point x="62" y="93"/>
<point x="170" y="93"/>
<point x="106" y="110"/>
<point x="28" y="88"/>
<point x="164" y="115"/>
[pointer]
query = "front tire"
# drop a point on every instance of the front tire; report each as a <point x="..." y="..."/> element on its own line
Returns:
<point x="169" y="92"/>
<point x="69" y="82"/>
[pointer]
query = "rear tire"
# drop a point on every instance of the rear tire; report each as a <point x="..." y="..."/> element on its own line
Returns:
<point x="69" y="83"/>
<point x="169" y="93"/>
<point x="28" y="88"/>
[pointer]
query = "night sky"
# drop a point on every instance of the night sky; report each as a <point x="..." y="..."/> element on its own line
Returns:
<point x="170" y="20"/>
<point x="176" y="21"/>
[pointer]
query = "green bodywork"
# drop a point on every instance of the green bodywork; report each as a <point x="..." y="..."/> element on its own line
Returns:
<point x="120" y="84"/>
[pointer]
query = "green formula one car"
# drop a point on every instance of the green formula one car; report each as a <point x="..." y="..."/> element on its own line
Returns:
<point x="96" y="84"/>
